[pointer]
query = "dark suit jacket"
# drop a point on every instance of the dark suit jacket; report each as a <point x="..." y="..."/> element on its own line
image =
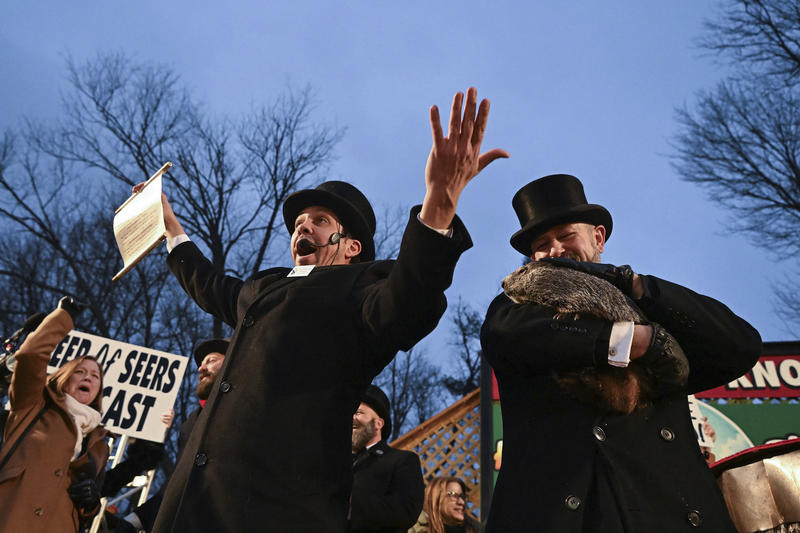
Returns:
<point x="148" y="511"/>
<point x="271" y="449"/>
<point x="387" y="490"/>
<point x="570" y="467"/>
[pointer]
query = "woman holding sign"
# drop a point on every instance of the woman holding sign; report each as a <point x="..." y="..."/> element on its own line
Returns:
<point x="54" y="449"/>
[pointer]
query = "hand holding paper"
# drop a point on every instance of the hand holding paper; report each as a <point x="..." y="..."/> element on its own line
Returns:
<point x="139" y="222"/>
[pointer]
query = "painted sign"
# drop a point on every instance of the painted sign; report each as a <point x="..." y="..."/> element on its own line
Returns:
<point x="139" y="384"/>
<point x="773" y="376"/>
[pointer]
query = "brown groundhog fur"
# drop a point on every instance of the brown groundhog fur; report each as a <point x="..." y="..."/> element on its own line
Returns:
<point x="571" y="294"/>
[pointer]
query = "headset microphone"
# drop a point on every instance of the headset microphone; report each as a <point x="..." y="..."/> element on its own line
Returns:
<point x="305" y="246"/>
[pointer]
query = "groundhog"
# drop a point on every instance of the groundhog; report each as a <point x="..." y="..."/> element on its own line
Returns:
<point x="571" y="294"/>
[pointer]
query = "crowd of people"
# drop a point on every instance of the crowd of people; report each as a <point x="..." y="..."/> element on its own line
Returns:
<point x="593" y="362"/>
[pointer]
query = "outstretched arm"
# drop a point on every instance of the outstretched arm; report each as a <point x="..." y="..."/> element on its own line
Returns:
<point x="30" y="375"/>
<point x="456" y="159"/>
<point x="210" y="288"/>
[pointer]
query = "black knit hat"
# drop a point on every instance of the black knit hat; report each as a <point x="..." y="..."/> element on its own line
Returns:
<point x="347" y="203"/>
<point x="377" y="399"/>
<point x="210" y="345"/>
<point x="550" y="201"/>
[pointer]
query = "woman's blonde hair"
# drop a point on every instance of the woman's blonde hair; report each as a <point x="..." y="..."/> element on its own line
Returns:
<point x="435" y="495"/>
<point x="58" y="380"/>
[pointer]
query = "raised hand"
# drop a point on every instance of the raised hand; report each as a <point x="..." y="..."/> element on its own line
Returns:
<point x="456" y="159"/>
<point x="72" y="306"/>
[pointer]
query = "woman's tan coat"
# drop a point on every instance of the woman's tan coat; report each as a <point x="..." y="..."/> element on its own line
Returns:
<point x="33" y="484"/>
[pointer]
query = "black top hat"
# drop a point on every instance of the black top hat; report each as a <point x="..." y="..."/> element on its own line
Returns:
<point x="550" y="201"/>
<point x="377" y="399"/>
<point x="346" y="202"/>
<point x="210" y="345"/>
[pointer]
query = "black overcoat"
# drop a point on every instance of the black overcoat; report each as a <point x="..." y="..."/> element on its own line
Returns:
<point x="148" y="511"/>
<point x="568" y="467"/>
<point x="388" y="490"/>
<point x="271" y="448"/>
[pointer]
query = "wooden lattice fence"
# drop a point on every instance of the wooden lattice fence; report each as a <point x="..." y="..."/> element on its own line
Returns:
<point x="449" y="444"/>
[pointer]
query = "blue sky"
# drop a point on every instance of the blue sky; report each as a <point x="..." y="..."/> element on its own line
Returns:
<point x="586" y="88"/>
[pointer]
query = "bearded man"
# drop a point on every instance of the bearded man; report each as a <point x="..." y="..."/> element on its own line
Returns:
<point x="387" y="483"/>
<point x="594" y="363"/>
<point x="209" y="356"/>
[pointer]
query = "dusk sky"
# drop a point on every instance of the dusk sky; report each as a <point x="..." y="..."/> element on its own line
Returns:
<point x="585" y="88"/>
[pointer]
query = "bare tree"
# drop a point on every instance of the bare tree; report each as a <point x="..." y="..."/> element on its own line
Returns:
<point x="391" y="221"/>
<point x="741" y="140"/>
<point x="412" y="384"/>
<point x="418" y="389"/>
<point x="764" y="34"/>
<point x="59" y="241"/>
<point x="284" y="150"/>
<point x="465" y="339"/>
<point x="741" y="144"/>
<point x="120" y="118"/>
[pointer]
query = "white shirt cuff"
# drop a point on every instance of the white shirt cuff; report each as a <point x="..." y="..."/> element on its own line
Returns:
<point x="172" y="242"/>
<point x="619" y="344"/>
<point x="446" y="232"/>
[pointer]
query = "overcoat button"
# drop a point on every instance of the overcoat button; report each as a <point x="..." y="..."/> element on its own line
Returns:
<point x="38" y="511"/>
<point x="200" y="459"/>
<point x="248" y="321"/>
<point x="224" y="386"/>
<point x="694" y="518"/>
<point x="667" y="434"/>
<point x="572" y="502"/>
<point x="598" y="433"/>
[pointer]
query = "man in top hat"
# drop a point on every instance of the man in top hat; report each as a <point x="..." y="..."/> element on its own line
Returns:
<point x="387" y="483"/>
<point x="596" y="428"/>
<point x="271" y="449"/>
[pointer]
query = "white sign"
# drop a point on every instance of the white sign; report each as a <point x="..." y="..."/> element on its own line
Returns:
<point x="139" y="384"/>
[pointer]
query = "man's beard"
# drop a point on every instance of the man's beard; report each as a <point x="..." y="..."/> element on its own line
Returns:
<point x="204" y="388"/>
<point x="362" y="434"/>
